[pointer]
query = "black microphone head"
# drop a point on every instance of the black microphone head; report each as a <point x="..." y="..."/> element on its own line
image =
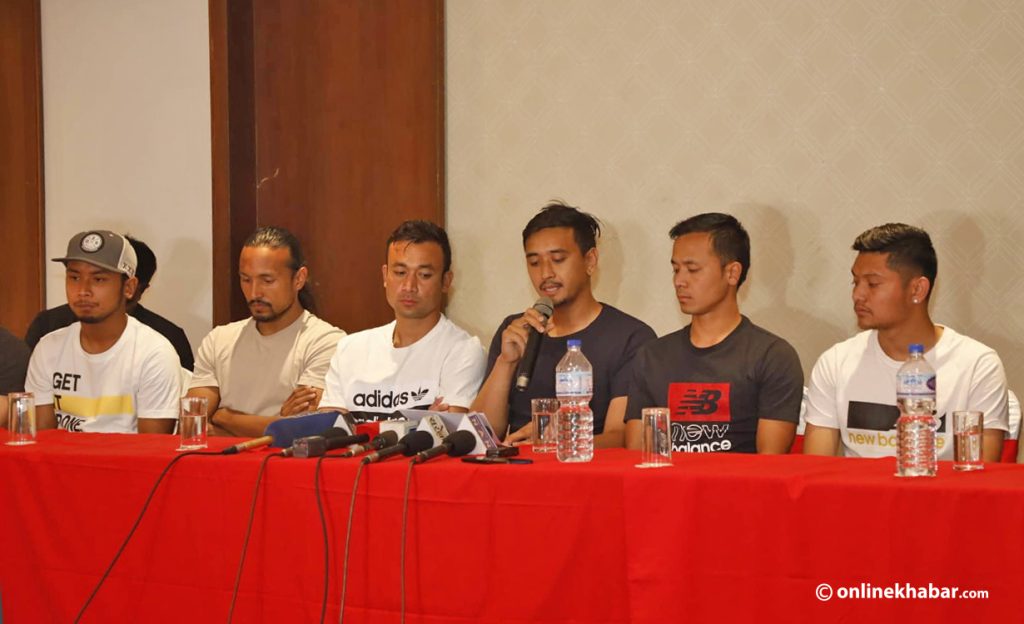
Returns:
<point x="545" y="306"/>
<point x="334" y="432"/>
<point x="336" y="442"/>
<point x="382" y="440"/>
<point x="463" y="443"/>
<point x="415" y="442"/>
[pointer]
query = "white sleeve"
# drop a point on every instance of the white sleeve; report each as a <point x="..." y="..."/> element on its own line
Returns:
<point x="334" y="388"/>
<point x="988" y="392"/>
<point x="159" y="383"/>
<point x="205" y="373"/>
<point x="39" y="380"/>
<point x="822" y="409"/>
<point x="462" y="373"/>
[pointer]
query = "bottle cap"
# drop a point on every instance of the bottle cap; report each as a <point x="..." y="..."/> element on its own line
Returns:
<point x="574" y="342"/>
<point x="916" y="348"/>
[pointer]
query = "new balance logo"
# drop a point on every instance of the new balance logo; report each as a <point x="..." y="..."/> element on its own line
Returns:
<point x="699" y="402"/>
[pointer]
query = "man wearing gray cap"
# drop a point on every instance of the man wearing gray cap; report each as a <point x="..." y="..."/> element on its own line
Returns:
<point x="107" y="372"/>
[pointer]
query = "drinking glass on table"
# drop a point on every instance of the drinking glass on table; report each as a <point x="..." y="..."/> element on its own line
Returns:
<point x="21" y="418"/>
<point x="656" y="438"/>
<point x="968" y="431"/>
<point x="542" y="412"/>
<point x="192" y="423"/>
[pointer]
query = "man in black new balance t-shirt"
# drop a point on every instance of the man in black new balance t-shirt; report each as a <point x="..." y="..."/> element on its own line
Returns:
<point x="729" y="384"/>
<point x="561" y="256"/>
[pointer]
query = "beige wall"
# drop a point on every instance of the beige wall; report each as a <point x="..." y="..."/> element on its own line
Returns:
<point x="810" y="121"/>
<point x="126" y="118"/>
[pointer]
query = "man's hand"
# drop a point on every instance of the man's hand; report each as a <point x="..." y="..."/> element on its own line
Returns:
<point x="302" y="399"/>
<point x="523" y="435"/>
<point x="439" y="405"/>
<point x="513" y="339"/>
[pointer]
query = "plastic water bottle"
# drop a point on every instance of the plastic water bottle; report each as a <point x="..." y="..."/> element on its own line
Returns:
<point x="915" y="429"/>
<point x="574" y="424"/>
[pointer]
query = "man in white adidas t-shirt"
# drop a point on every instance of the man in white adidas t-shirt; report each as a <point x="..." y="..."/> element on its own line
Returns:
<point x="421" y="359"/>
<point x="107" y="372"/>
<point x="851" y="406"/>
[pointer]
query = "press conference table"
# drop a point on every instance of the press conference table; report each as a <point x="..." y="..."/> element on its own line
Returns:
<point x="712" y="538"/>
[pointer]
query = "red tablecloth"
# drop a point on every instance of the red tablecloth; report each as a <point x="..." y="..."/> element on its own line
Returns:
<point x="713" y="538"/>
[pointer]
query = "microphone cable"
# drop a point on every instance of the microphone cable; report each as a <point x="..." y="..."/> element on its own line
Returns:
<point x="323" y="529"/>
<point x="135" y="526"/>
<point x="348" y="540"/>
<point x="248" y="531"/>
<point x="405" y="519"/>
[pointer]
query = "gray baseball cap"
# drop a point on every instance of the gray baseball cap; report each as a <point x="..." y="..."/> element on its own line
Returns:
<point x="107" y="250"/>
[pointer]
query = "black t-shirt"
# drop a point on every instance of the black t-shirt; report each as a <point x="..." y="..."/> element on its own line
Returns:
<point x="716" y="395"/>
<point x="14" y="356"/>
<point x="53" y="319"/>
<point x="609" y="344"/>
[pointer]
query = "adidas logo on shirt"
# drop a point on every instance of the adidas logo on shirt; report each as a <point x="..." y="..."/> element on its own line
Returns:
<point x="390" y="399"/>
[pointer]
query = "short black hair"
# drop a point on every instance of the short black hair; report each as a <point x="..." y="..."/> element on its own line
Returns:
<point x="910" y="250"/>
<point x="146" y="268"/>
<point x="586" y="229"/>
<point x="420" y="231"/>
<point x="275" y="238"/>
<point x="728" y="238"/>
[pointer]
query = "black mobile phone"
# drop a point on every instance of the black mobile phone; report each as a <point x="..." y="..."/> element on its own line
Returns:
<point x="496" y="460"/>
<point x="503" y="451"/>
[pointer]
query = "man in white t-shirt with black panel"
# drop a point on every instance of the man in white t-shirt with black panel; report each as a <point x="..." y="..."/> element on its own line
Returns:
<point x="107" y="372"/>
<point x="851" y="406"/>
<point x="419" y="360"/>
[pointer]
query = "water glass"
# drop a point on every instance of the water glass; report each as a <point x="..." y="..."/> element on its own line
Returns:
<point x="192" y="424"/>
<point x="21" y="418"/>
<point x="656" y="438"/>
<point x="968" y="430"/>
<point x="542" y="412"/>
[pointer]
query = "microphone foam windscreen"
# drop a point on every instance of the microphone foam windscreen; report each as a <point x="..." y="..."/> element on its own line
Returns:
<point x="389" y="438"/>
<point x="545" y="306"/>
<point x="463" y="443"/>
<point x="417" y="441"/>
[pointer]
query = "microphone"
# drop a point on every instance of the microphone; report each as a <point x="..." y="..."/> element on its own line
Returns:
<point x="248" y="444"/>
<point x="524" y="371"/>
<point x="409" y="445"/>
<point x="455" y="445"/>
<point x="315" y="446"/>
<point x="330" y="432"/>
<point x="382" y="440"/>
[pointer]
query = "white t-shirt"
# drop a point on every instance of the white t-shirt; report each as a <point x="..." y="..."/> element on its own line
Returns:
<point x="853" y="389"/>
<point x="369" y="374"/>
<point x="138" y="377"/>
<point x="254" y="373"/>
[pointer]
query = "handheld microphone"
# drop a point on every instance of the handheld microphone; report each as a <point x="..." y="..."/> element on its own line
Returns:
<point x="455" y="445"/>
<point x="524" y="371"/>
<point x="382" y="440"/>
<point x="248" y="444"/>
<point x="315" y="446"/>
<point x="330" y="432"/>
<point x="409" y="445"/>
